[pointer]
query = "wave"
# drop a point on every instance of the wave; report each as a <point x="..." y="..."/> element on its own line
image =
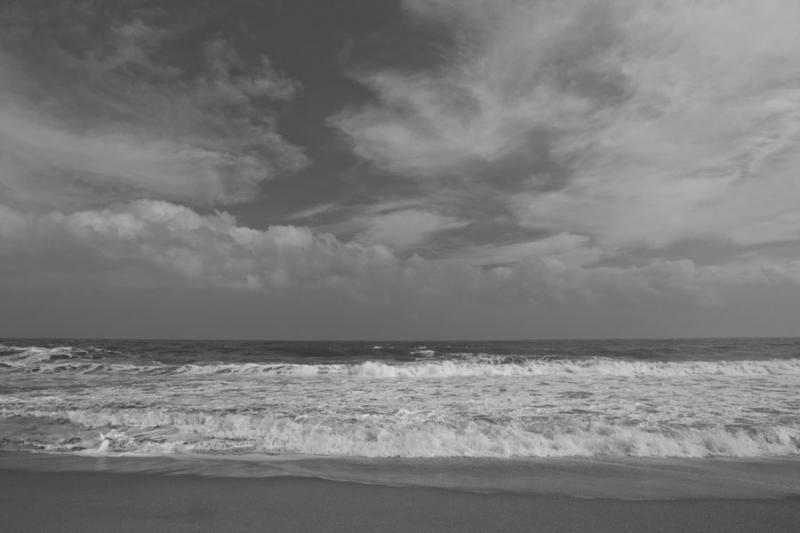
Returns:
<point x="23" y="356"/>
<point x="487" y="366"/>
<point x="95" y="360"/>
<point x="403" y="434"/>
<point x="66" y="359"/>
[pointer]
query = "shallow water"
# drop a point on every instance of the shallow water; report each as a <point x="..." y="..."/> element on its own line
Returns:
<point x="617" y="478"/>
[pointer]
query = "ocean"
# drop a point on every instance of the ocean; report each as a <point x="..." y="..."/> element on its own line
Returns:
<point x="484" y="416"/>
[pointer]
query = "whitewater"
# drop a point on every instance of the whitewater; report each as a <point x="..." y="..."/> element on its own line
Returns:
<point x="732" y="398"/>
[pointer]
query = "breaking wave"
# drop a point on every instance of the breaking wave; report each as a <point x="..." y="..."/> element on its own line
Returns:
<point x="67" y="359"/>
<point x="165" y="399"/>
<point x="402" y="435"/>
<point x="486" y="366"/>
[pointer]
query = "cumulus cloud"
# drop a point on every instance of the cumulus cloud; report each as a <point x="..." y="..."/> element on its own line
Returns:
<point x="158" y="243"/>
<point x="653" y="122"/>
<point x="405" y="228"/>
<point x="91" y="115"/>
<point x="209" y="250"/>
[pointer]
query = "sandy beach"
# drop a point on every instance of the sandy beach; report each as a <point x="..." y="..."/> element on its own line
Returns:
<point x="101" y="501"/>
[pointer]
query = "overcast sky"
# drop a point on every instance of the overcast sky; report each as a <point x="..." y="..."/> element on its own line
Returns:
<point x="399" y="169"/>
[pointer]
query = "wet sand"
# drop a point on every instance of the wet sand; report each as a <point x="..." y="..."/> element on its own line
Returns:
<point x="107" y="501"/>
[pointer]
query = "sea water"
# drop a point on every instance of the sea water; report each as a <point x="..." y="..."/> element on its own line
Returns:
<point x="485" y="416"/>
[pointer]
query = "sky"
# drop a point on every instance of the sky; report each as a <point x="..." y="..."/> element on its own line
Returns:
<point x="386" y="169"/>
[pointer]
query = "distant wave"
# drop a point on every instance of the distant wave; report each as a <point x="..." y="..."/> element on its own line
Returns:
<point x="67" y="359"/>
<point x="594" y="366"/>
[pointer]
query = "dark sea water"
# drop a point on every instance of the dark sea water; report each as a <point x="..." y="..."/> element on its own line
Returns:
<point x="406" y="408"/>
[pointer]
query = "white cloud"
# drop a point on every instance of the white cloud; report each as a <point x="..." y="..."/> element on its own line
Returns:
<point x="660" y="122"/>
<point x="505" y="82"/>
<point x="405" y="228"/>
<point x="210" y="250"/>
<point x="314" y="211"/>
<point x="114" y="120"/>
<point x="671" y="120"/>
<point x="258" y="81"/>
<point x="157" y="243"/>
<point x="41" y="161"/>
<point x="565" y="247"/>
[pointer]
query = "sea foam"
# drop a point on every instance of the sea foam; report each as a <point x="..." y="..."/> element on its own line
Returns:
<point x="61" y="359"/>
<point x="449" y="403"/>
<point x="405" y="435"/>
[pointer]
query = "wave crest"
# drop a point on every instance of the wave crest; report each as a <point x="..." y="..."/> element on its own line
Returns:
<point x="68" y="359"/>
<point x="408" y="434"/>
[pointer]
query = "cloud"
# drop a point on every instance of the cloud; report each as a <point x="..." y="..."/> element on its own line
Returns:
<point x="565" y="247"/>
<point x="91" y="116"/>
<point x="165" y="239"/>
<point x="648" y="122"/>
<point x="158" y="244"/>
<point x="518" y="68"/>
<point x="568" y="160"/>
<point x="405" y="228"/>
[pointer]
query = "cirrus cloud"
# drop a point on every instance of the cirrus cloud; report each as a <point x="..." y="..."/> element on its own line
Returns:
<point x="90" y="116"/>
<point x="648" y="122"/>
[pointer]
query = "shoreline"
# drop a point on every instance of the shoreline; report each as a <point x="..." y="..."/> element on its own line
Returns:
<point x="111" y="501"/>
<point x="634" y="479"/>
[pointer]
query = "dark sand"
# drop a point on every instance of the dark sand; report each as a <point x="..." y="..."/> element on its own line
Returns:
<point x="106" y="502"/>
